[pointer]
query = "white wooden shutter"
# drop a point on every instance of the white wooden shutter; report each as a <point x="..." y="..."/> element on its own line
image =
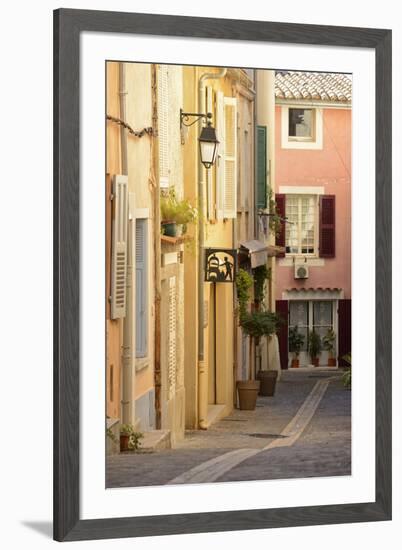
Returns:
<point x="230" y="159"/>
<point x="119" y="247"/>
<point x="220" y="163"/>
<point x="163" y="124"/>
<point x="141" y="289"/>
<point x="209" y="173"/>
<point x="172" y="357"/>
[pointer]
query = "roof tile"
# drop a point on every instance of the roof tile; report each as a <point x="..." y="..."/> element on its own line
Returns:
<point x="332" y="87"/>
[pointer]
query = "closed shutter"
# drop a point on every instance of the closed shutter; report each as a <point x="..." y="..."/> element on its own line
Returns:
<point x="327" y="226"/>
<point x="209" y="173"/>
<point x="261" y="159"/>
<point x="163" y="125"/>
<point x="172" y="337"/>
<point x="344" y="330"/>
<point x="119" y="247"/>
<point x="141" y="288"/>
<point x="281" y="235"/>
<point x="282" y="309"/>
<point x="220" y="163"/>
<point x="230" y="158"/>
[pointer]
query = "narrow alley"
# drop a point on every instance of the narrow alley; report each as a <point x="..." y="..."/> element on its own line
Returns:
<point x="303" y="431"/>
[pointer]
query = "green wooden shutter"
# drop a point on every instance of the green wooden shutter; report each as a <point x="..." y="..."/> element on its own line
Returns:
<point x="261" y="159"/>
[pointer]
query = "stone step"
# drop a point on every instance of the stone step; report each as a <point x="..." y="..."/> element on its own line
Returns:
<point x="155" y="440"/>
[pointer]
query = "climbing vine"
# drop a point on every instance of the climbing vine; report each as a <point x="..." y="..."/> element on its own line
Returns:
<point x="261" y="274"/>
<point x="244" y="282"/>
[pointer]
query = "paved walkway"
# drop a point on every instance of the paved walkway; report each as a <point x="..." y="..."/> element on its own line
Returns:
<point x="303" y="431"/>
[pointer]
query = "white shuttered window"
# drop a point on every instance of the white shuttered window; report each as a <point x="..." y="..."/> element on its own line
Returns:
<point x="172" y="358"/>
<point x="163" y="124"/>
<point x="141" y="288"/>
<point x="226" y="171"/>
<point x="119" y="247"/>
<point x="230" y="156"/>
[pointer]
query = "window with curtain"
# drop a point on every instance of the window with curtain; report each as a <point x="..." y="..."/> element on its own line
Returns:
<point x="301" y="224"/>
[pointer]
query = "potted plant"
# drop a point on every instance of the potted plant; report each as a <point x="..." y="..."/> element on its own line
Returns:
<point x="347" y="374"/>
<point x="129" y="438"/>
<point x="314" y="347"/>
<point x="328" y="344"/>
<point x="176" y="214"/>
<point x="254" y="324"/>
<point x="296" y="341"/>
<point x="247" y="389"/>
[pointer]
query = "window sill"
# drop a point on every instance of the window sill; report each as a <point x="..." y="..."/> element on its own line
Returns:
<point x="141" y="364"/>
<point x="311" y="261"/>
<point x="296" y="144"/>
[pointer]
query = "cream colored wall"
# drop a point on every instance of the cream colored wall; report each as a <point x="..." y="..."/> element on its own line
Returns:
<point x="174" y="407"/>
<point x="113" y="166"/>
<point x="139" y="115"/>
<point x="245" y="223"/>
<point x="265" y="111"/>
<point x="190" y="257"/>
<point x="218" y="233"/>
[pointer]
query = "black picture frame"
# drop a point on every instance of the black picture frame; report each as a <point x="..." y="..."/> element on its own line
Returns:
<point x="68" y="24"/>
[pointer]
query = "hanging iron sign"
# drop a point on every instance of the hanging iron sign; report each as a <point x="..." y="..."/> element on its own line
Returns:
<point x="220" y="265"/>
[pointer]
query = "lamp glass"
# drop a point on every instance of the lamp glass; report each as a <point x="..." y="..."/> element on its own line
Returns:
<point x="208" y="152"/>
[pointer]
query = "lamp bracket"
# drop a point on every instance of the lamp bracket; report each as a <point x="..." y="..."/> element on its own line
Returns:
<point x="185" y="118"/>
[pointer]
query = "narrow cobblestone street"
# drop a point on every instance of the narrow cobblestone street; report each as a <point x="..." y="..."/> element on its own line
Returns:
<point x="303" y="431"/>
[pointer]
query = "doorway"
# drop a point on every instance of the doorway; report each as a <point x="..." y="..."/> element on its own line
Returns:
<point x="317" y="315"/>
<point x="212" y="346"/>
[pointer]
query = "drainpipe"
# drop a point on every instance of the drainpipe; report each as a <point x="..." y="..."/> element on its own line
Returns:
<point x="127" y="400"/>
<point x="155" y="181"/>
<point x="202" y="371"/>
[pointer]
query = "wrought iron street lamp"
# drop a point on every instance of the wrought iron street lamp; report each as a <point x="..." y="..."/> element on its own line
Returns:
<point x="207" y="140"/>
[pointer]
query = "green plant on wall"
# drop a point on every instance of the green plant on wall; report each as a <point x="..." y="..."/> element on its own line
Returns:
<point x="179" y="211"/>
<point x="244" y="283"/>
<point x="261" y="274"/>
<point x="275" y="221"/>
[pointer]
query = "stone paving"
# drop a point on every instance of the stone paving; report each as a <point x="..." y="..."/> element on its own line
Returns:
<point x="323" y="448"/>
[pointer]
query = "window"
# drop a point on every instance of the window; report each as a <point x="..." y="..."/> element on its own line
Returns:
<point x="311" y="315"/>
<point x="141" y="288"/>
<point x="301" y="124"/>
<point x="226" y="171"/>
<point x="301" y="128"/>
<point x="322" y="317"/>
<point x="163" y="125"/>
<point x="300" y="237"/>
<point x="299" y="317"/>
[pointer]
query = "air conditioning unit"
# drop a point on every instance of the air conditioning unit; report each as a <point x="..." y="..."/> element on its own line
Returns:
<point x="301" y="271"/>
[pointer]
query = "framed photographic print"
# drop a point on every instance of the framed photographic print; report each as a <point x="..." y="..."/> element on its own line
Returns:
<point x="222" y="249"/>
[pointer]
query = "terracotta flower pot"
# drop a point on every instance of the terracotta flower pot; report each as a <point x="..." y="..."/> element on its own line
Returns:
<point x="316" y="361"/>
<point x="332" y="361"/>
<point x="295" y="364"/>
<point x="248" y="391"/>
<point x="124" y="439"/>
<point x="267" y="382"/>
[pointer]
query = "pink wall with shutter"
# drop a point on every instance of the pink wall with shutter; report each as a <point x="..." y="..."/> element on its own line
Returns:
<point x="329" y="168"/>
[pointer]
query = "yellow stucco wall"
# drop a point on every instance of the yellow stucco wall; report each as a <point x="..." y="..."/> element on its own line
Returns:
<point x="218" y="233"/>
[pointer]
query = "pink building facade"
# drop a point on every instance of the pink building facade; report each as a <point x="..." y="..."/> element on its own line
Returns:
<point x="313" y="194"/>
